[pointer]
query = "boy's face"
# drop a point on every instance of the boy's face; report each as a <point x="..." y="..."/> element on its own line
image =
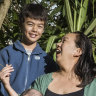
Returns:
<point x="32" y="30"/>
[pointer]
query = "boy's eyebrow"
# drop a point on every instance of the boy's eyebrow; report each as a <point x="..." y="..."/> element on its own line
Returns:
<point x="33" y="23"/>
<point x="30" y="22"/>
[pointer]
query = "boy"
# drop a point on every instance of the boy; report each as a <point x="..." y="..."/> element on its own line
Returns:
<point x="26" y="56"/>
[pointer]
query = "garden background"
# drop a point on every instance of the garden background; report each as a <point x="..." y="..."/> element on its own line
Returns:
<point x="63" y="16"/>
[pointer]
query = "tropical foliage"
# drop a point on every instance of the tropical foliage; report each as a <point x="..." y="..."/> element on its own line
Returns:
<point x="78" y="15"/>
<point x="64" y="16"/>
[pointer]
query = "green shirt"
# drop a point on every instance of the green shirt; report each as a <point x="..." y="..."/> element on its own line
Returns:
<point x="42" y="82"/>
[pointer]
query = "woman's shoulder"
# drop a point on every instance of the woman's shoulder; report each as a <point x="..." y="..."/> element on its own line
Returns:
<point x="91" y="85"/>
<point x="44" y="77"/>
<point x="90" y="89"/>
<point x="42" y="82"/>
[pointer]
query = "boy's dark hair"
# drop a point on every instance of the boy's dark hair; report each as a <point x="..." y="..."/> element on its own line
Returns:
<point x="34" y="11"/>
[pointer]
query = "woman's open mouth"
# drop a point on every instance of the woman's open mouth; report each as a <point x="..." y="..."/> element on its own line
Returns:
<point x="58" y="51"/>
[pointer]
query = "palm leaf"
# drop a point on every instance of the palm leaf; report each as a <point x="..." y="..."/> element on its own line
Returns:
<point x="50" y="43"/>
<point x="75" y="15"/>
<point x="94" y="53"/>
<point x="91" y="26"/>
<point x="82" y="14"/>
<point x="69" y="15"/>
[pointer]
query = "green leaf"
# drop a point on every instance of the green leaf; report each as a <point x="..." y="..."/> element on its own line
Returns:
<point x="56" y="10"/>
<point x="82" y="14"/>
<point x="69" y="15"/>
<point x="91" y="26"/>
<point x="94" y="53"/>
<point x="75" y="16"/>
<point x="54" y="56"/>
<point x="50" y="43"/>
<point x="28" y="1"/>
<point x="63" y="12"/>
<point x="15" y="16"/>
<point x="93" y="2"/>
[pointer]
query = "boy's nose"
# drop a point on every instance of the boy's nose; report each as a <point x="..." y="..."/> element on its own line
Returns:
<point x="34" y="28"/>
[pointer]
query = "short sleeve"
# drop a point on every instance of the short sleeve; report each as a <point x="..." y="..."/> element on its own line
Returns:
<point x="37" y="85"/>
<point x="42" y="82"/>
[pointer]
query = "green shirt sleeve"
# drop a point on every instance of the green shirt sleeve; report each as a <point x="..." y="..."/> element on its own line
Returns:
<point x="41" y="83"/>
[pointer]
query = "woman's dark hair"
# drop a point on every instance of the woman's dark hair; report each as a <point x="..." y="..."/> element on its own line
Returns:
<point x="85" y="67"/>
<point x="34" y="11"/>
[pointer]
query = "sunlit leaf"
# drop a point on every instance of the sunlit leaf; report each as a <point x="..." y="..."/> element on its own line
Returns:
<point x="69" y="15"/>
<point x="82" y="14"/>
<point x="91" y="26"/>
<point x="50" y="43"/>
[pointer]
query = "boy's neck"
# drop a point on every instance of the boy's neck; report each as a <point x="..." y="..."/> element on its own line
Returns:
<point x="29" y="46"/>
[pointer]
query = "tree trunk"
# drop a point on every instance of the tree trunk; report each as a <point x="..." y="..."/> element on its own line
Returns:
<point x="3" y="10"/>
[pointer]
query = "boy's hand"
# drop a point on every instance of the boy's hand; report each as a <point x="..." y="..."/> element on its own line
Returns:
<point x="5" y="74"/>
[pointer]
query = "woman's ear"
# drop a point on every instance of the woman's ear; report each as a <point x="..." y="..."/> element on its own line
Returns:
<point x="77" y="52"/>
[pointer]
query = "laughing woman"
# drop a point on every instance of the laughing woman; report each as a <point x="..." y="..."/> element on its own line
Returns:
<point x="76" y="76"/>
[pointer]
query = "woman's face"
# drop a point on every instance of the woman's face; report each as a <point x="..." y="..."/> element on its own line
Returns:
<point x="66" y="48"/>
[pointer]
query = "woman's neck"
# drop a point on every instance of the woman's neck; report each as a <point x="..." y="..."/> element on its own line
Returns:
<point x="67" y="69"/>
<point x="68" y="65"/>
<point x="68" y="74"/>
